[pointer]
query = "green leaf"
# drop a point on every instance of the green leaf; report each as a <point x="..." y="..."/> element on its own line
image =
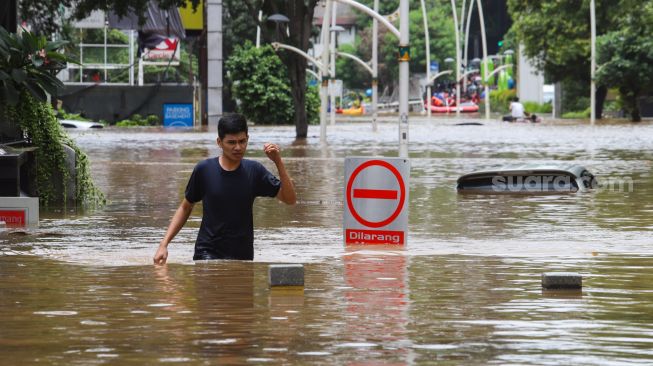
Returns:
<point x="36" y="90"/>
<point x="53" y="46"/>
<point x="10" y="93"/>
<point x="36" y="61"/>
<point x="19" y="75"/>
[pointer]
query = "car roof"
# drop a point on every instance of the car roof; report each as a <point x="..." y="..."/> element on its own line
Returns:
<point x="571" y="169"/>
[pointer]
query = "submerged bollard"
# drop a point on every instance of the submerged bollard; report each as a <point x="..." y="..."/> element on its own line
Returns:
<point x="280" y="275"/>
<point x="562" y="280"/>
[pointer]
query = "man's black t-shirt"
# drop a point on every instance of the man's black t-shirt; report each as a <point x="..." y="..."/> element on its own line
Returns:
<point x="227" y="229"/>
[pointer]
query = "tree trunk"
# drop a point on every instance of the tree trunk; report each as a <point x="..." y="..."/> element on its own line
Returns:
<point x="635" y="116"/>
<point x="300" y="14"/>
<point x="297" y="73"/>
<point x="601" y="94"/>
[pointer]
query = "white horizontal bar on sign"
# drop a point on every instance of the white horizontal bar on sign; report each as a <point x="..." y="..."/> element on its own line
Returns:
<point x="148" y="63"/>
<point x="102" y="45"/>
<point x="98" y="66"/>
<point x="92" y="83"/>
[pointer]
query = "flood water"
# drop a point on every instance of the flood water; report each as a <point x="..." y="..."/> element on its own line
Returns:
<point x="80" y="289"/>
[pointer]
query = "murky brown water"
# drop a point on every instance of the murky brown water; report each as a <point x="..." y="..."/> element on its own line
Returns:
<point x="466" y="291"/>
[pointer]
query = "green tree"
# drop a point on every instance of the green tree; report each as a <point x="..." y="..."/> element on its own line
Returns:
<point x="353" y="75"/>
<point x="259" y="83"/>
<point x="556" y="35"/>
<point x="28" y="64"/>
<point x="441" y="36"/>
<point x="625" y="57"/>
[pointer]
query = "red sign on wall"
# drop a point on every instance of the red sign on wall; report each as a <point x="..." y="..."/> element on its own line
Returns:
<point x="13" y="217"/>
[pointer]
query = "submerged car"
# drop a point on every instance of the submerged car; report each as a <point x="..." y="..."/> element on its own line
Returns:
<point x="558" y="178"/>
<point x="81" y="125"/>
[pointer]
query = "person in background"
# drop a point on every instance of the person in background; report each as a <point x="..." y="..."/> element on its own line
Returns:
<point x="516" y="111"/>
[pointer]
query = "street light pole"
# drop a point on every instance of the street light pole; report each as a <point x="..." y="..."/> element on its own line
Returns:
<point x="466" y="35"/>
<point x="258" y="29"/>
<point x="455" y="25"/>
<point x="593" y="63"/>
<point x="375" y="68"/>
<point x="332" y="62"/>
<point x="485" y="59"/>
<point x="404" y="57"/>
<point x="428" y="61"/>
<point x="404" y="74"/>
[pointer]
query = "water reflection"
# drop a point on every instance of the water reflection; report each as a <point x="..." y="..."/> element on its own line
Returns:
<point x="377" y="306"/>
<point x="80" y="289"/>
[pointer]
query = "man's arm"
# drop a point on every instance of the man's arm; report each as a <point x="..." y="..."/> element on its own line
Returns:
<point x="178" y="220"/>
<point x="287" y="190"/>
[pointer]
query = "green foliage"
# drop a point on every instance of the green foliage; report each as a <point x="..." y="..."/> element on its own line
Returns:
<point x="577" y="115"/>
<point x="556" y="36"/>
<point x="534" y="107"/>
<point x="62" y="114"/>
<point x="575" y="95"/>
<point x="313" y="105"/>
<point x="442" y="41"/>
<point x="353" y="75"/>
<point x="260" y="84"/>
<point x="136" y="120"/>
<point x="28" y="62"/>
<point x="500" y="99"/>
<point x="39" y="122"/>
<point x="152" y="119"/>
<point x="626" y="58"/>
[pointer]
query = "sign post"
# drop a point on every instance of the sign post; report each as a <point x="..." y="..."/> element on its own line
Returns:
<point x="376" y="201"/>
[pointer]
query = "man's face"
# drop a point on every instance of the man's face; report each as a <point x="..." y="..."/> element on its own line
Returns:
<point x="234" y="145"/>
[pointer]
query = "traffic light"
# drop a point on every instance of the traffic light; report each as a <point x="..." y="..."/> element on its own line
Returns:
<point x="500" y="43"/>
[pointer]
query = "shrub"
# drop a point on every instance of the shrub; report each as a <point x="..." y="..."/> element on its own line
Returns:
<point x="28" y="65"/>
<point x="152" y="119"/>
<point x="260" y="84"/>
<point x="313" y="104"/>
<point x="577" y="114"/>
<point x="136" y="120"/>
<point x="500" y="100"/>
<point x="62" y="114"/>
<point x="533" y="107"/>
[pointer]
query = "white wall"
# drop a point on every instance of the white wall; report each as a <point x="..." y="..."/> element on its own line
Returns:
<point x="530" y="84"/>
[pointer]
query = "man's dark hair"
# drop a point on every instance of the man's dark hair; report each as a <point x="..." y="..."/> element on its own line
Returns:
<point x="231" y="124"/>
<point x="515" y="99"/>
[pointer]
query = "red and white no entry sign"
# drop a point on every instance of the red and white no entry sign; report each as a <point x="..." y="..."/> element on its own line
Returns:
<point x="395" y="196"/>
<point x="376" y="195"/>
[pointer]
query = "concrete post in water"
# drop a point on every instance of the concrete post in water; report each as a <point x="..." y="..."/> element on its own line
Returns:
<point x="324" y="87"/>
<point x="562" y="280"/>
<point x="375" y="68"/>
<point x="280" y="275"/>
<point x="214" y="62"/>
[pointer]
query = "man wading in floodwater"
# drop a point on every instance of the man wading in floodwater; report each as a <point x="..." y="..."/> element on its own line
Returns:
<point x="227" y="186"/>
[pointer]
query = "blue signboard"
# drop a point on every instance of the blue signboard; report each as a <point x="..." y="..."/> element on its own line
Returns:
<point x="435" y="67"/>
<point x="178" y="115"/>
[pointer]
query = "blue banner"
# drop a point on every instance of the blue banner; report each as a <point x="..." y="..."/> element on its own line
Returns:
<point x="178" y="115"/>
